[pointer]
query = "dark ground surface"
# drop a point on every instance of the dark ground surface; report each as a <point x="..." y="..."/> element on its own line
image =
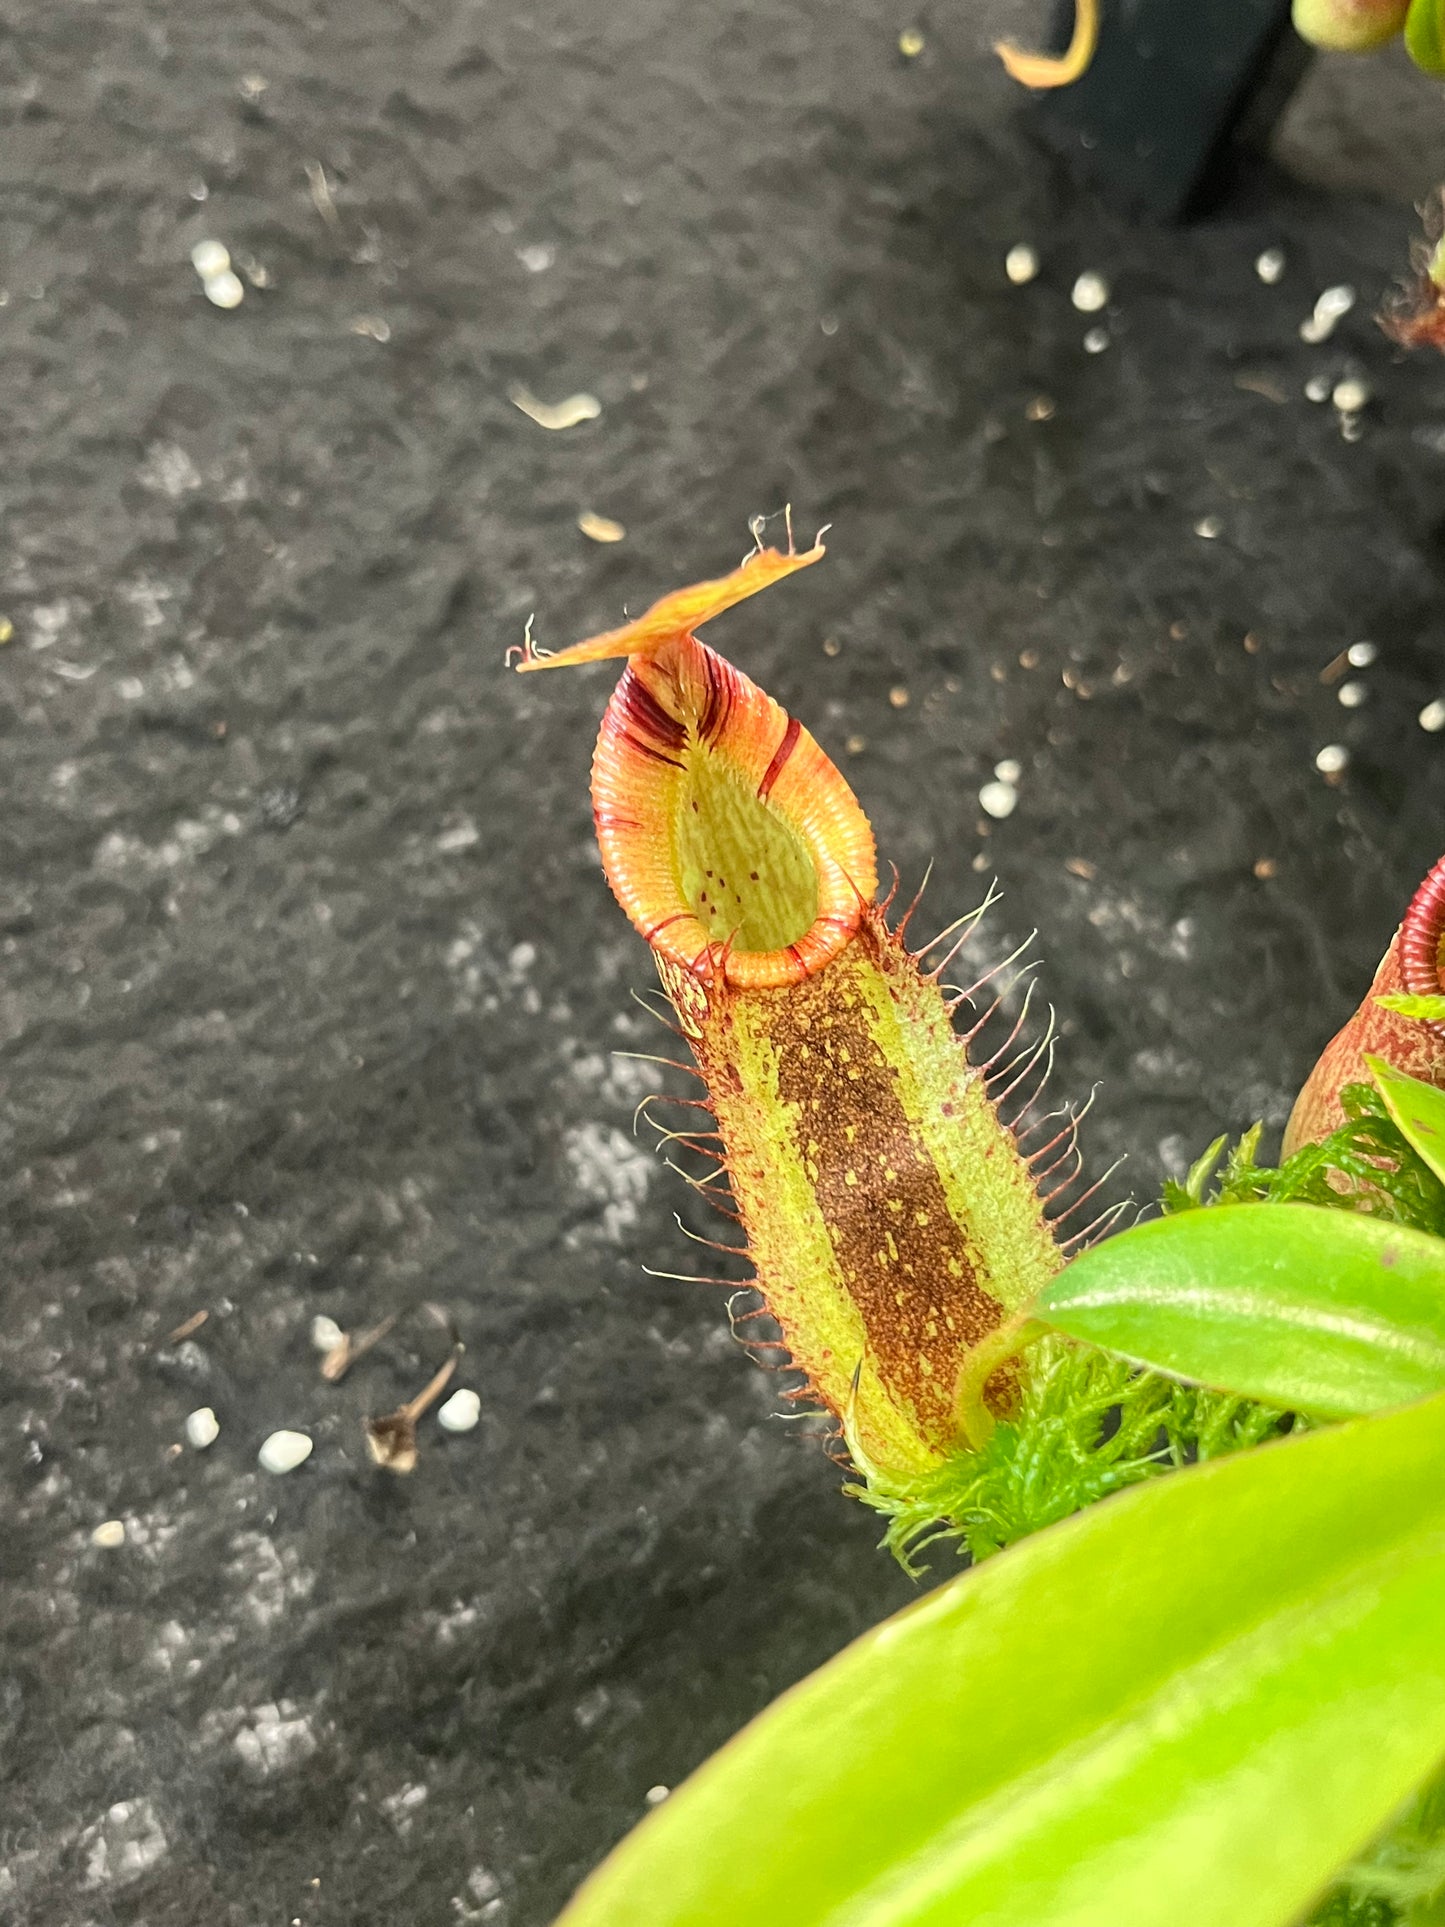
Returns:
<point x="310" y="978"/>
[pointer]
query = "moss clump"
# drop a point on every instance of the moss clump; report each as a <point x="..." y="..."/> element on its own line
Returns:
<point x="1087" y="1424"/>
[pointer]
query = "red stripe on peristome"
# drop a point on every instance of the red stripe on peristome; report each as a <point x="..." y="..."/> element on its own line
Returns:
<point x="718" y="708"/>
<point x="678" y="916"/>
<point x="780" y="756"/>
<point x="646" y="749"/>
<point x="644" y="712"/>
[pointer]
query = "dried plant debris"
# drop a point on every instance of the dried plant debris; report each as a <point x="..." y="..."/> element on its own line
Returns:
<point x="338" y="1359"/>
<point x="600" y="528"/>
<point x="187" y="1328"/>
<point x="321" y="196"/>
<point x="555" y="415"/>
<point x="1414" y="313"/>
<point x="391" y="1441"/>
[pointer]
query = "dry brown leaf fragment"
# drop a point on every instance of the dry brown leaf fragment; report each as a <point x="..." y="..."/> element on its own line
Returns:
<point x="555" y="415"/>
<point x="340" y="1359"/>
<point x="1254" y="384"/>
<point x="1414" y="312"/>
<point x="391" y="1440"/>
<point x="187" y="1327"/>
<point x="321" y="198"/>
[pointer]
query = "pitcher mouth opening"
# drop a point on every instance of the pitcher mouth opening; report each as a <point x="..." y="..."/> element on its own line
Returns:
<point x="729" y="838"/>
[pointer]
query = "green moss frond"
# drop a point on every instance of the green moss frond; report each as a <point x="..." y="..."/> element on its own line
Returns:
<point x="1087" y="1424"/>
<point x="1364" y="1165"/>
<point x="1347" y="1909"/>
<point x="1400" y="1880"/>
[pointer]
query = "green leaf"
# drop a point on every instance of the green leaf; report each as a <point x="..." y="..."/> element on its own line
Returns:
<point x="1418" y="1108"/>
<point x="1406" y="1004"/>
<point x="1202" y="1169"/>
<point x="1425" y="35"/>
<point x="1327" y="1312"/>
<point x="1191" y="1704"/>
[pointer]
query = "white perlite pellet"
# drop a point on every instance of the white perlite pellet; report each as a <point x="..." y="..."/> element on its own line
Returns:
<point x="460" y="1412"/>
<point x="326" y="1334"/>
<point x="284" y="1451"/>
<point x="210" y="257"/>
<point x="224" y="290"/>
<point x="1091" y="292"/>
<point x="203" y="1428"/>
<point x="1332" y="304"/>
<point x="1351" y="395"/>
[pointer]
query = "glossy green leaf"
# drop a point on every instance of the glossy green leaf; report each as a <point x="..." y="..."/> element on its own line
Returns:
<point x="1418" y="1108"/>
<point x="1311" y="1309"/>
<point x="1188" y="1706"/>
<point x="1425" y="35"/>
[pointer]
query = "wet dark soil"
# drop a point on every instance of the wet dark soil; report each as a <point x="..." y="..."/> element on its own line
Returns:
<point x="310" y="979"/>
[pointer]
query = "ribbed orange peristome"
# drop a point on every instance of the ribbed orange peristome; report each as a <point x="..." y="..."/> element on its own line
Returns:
<point x="678" y="702"/>
<point x="684" y="702"/>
